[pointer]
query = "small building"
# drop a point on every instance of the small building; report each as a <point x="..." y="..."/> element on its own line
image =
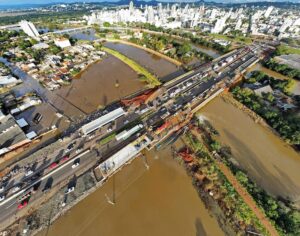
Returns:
<point x="40" y="46"/>
<point x="127" y="133"/>
<point x="264" y="89"/>
<point x="11" y="134"/>
<point x="31" y="135"/>
<point x="8" y="81"/>
<point x="103" y="120"/>
<point x="62" y="42"/>
<point x="22" y="123"/>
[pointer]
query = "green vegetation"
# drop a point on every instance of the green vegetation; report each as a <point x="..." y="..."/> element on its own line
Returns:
<point x="107" y="139"/>
<point x="294" y="42"/>
<point x="106" y="24"/>
<point x="151" y="79"/>
<point x="49" y="20"/>
<point x="282" y="85"/>
<point x="7" y="34"/>
<point x="234" y="37"/>
<point x="282" y="50"/>
<point x="287" y="219"/>
<point x="281" y="212"/>
<point x="197" y="39"/>
<point x="283" y="69"/>
<point x="286" y="124"/>
<point x="236" y="211"/>
<point x="181" y="51"/>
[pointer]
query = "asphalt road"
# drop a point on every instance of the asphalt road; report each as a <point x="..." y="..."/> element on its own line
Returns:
<point x="9" y="207"/>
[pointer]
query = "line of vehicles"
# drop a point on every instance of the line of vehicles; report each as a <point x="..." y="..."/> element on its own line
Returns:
<point x="32" y="176"/>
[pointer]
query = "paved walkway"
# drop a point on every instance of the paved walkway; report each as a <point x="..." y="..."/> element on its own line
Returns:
<point x="244" y="194"/>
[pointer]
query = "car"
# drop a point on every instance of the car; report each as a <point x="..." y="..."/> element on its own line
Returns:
<point x="75" y="165"/>
<point x="70" y="147"/>
<point x="65" y="158"/>
<point x="53" y="165"/>
<point x="23" y="204"/>
<point x="15" y="189"/>
<point x="78" y="150"/>
<point x="109" y="129"/>
<point x="91" y="136"/>
<point x="2" y="198"/>
<point x="69" y="190"/>
<point x="29" y="172"/>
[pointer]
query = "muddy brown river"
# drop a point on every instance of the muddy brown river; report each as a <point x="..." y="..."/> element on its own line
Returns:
<point x="160" y="67"/>
<point x="272" y="163"/>
<point x="158" y="201"/>
<point x="296" y="88"/>
<point x="100" y="84"/>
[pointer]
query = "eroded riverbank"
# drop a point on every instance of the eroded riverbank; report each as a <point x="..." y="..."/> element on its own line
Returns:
<point x="273" y="164"/>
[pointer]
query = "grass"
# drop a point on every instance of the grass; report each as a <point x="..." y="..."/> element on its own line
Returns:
<point x="149" y="78"/>
<point x="291" y="86"/>
<point x="282" y="50"/>
<point x="107" y="139"/>
<point x="238" y="39"/>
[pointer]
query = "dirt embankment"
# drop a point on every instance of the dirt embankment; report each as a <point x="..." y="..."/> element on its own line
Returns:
<point x="177" y="63"/>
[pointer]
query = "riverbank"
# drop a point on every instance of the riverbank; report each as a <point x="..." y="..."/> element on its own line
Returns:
<point x="268" y="160"/>
<point x="280" y="212"/>
<point x="148" y="77"/>
<point x="175" y="62"/>
<point x="212" y="178"/>
<point x="295" y="88"/>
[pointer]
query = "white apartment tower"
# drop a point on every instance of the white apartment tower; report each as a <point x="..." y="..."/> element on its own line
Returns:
<point x="131" y="7"/>
<point x="29" y="29"/>
<point x="268" y="11"/>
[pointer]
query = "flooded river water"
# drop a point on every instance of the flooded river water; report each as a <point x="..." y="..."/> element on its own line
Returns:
<point x="272" y="163"/>
<point x="101" y="84"/>
<point x="295" y="90"/>
<point x="160" y="67"/>
<point x="158" y="201"/>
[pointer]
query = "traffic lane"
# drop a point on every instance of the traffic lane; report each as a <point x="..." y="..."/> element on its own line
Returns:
<point x="65" y="151"/>
<point x="42" y="166"/>
<point x="10" y="208"/>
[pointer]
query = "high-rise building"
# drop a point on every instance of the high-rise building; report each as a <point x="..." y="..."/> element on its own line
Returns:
<point x="150" y="14"/>
<point x="268" y="11"/>
<point x="219" y="26"/>
<point x="131" y="7"/>
<point x="29" y="29"/>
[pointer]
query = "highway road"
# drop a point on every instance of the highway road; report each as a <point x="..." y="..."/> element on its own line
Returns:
<point x="9" y="206"/>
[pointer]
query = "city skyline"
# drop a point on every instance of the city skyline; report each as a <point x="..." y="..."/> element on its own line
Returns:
<point x="38" y="2"/>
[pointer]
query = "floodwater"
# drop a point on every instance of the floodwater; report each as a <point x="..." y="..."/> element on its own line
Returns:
<point x="274" y="74"/>
<point x="158" y="201"/>
<point x="102" y="83"/>
<point x="272" y="163"/>
<point x="162" y="68"/>
<point x="209" y="51"/>
<point x="89" y="34"/>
